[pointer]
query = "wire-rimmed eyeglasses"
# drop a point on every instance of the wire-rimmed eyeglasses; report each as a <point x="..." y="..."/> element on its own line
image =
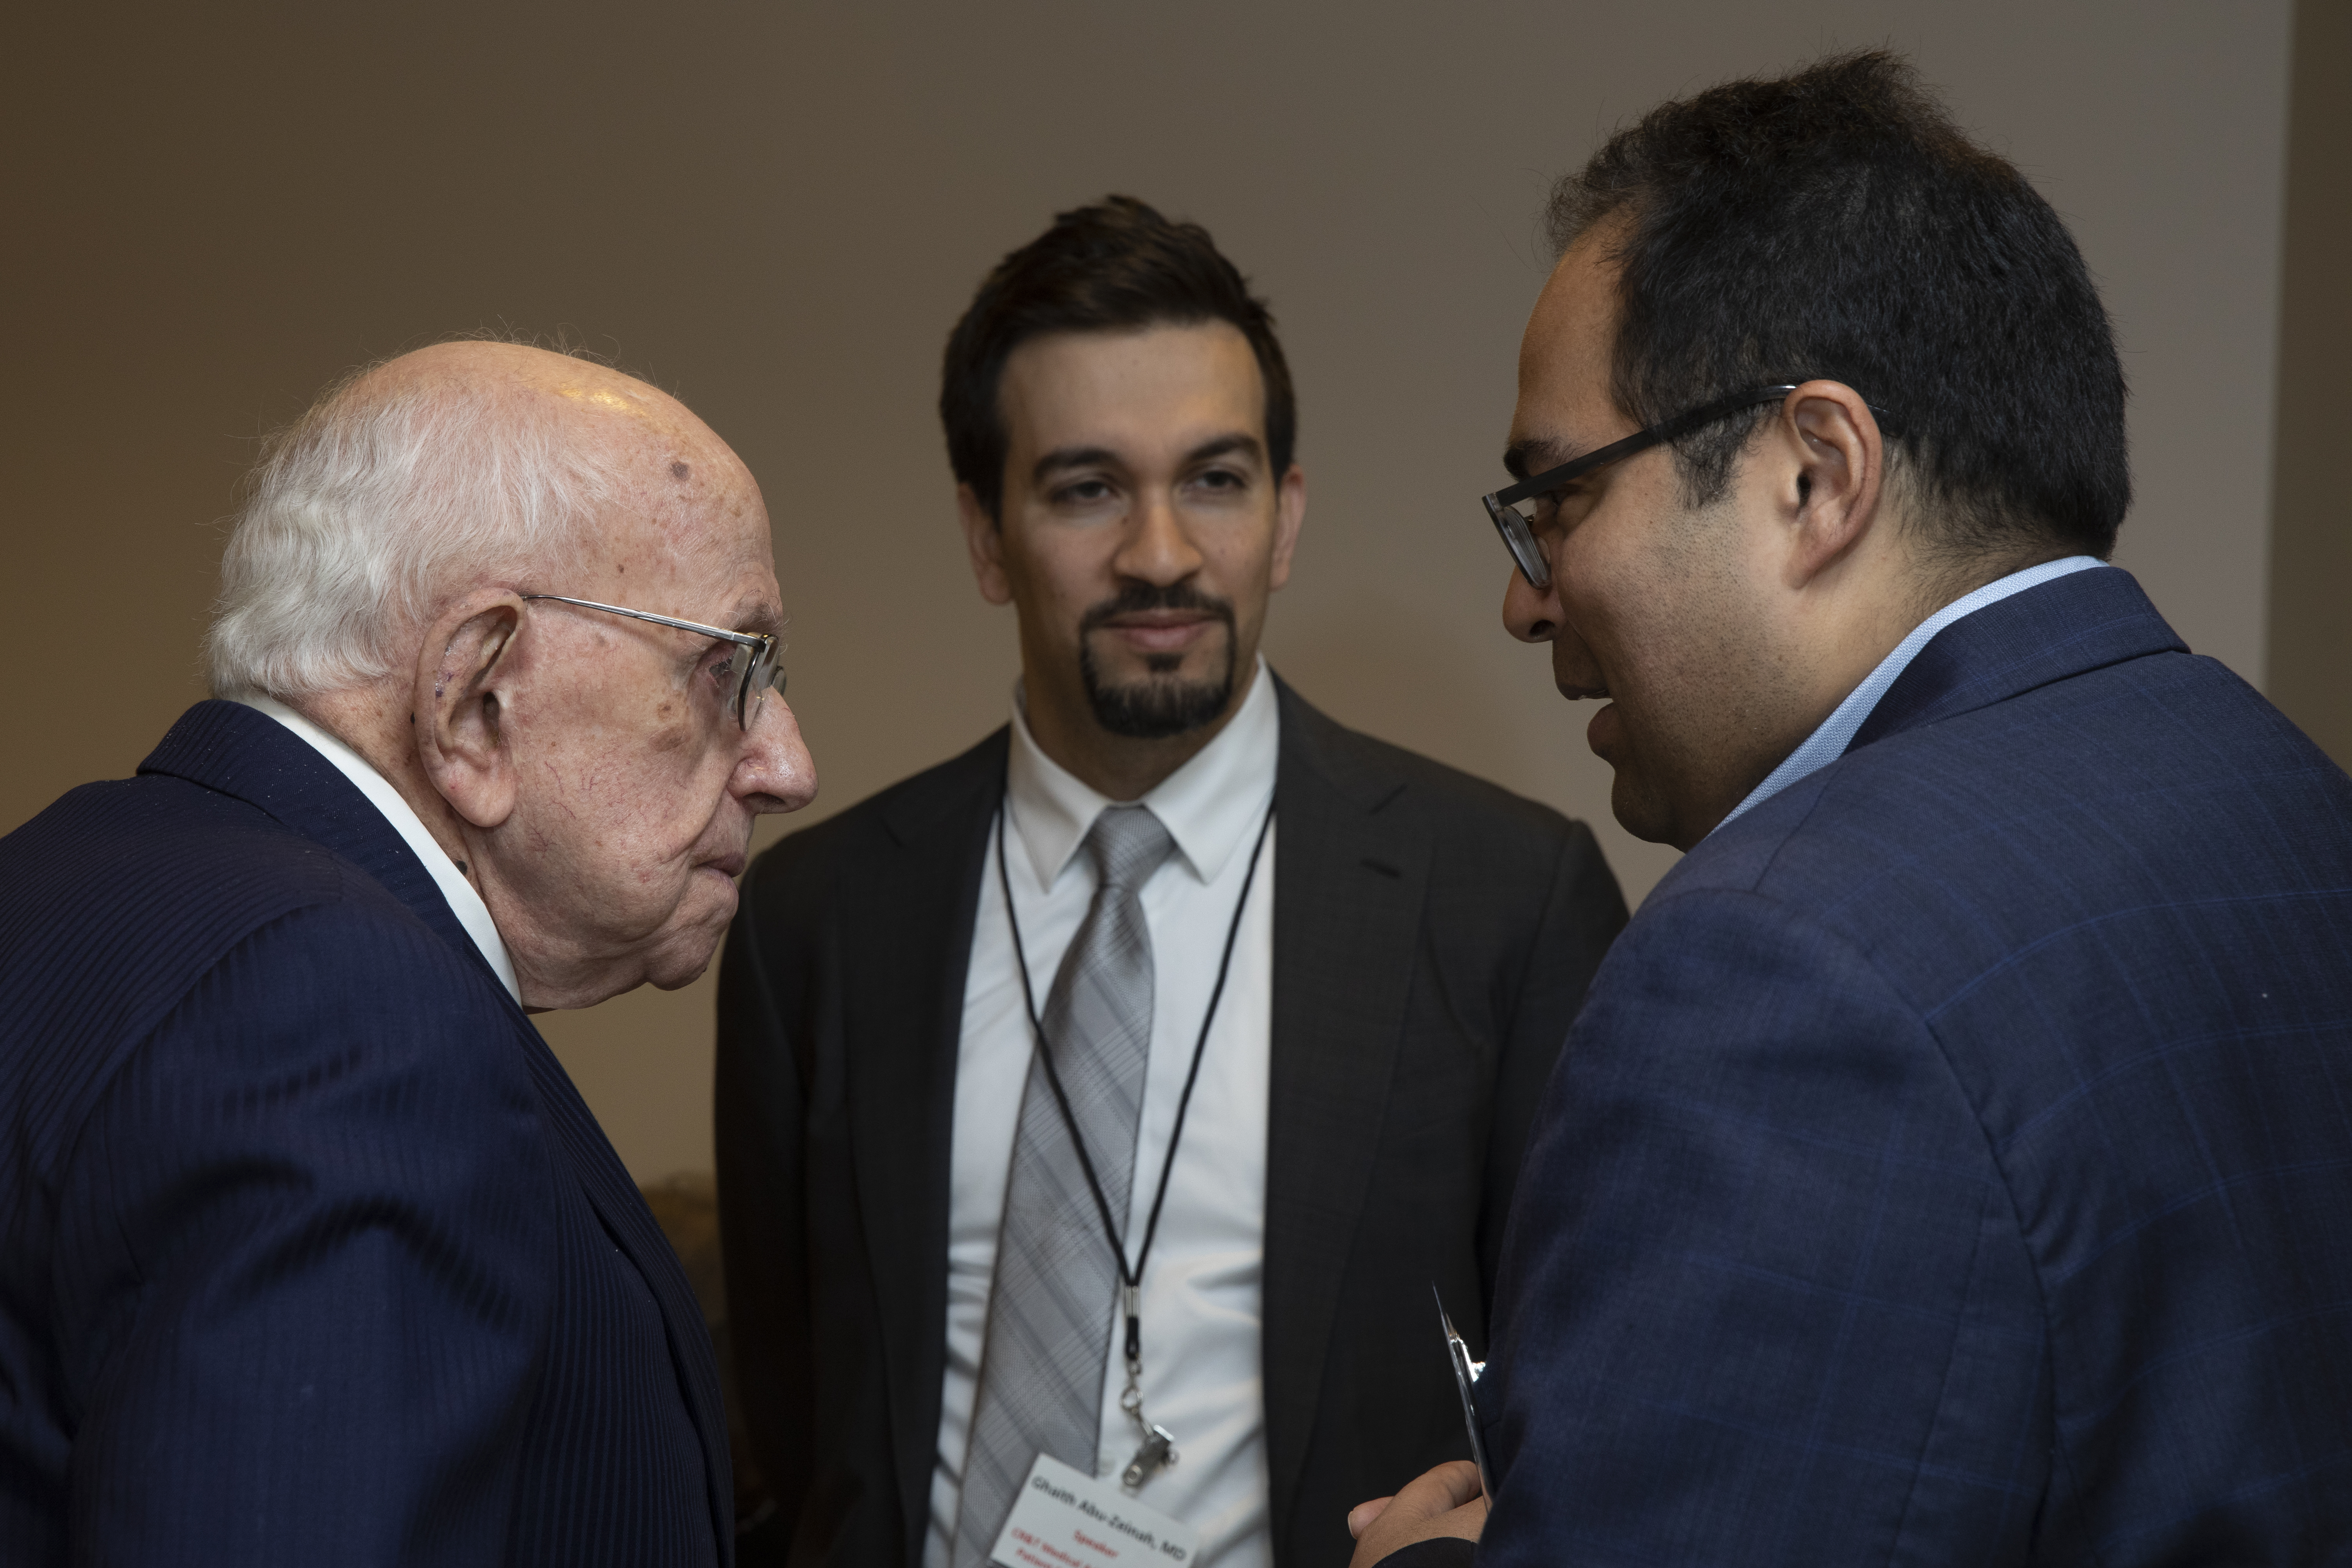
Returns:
<point x="760" y="656"/>
<point x="1519" y="530"/>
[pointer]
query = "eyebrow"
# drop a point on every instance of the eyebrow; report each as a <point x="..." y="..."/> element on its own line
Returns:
<point x="1071" y="458"/>
<point x="1240" y="441"/>
<point x="1062" y="457"/>
<point x="1535" y="455"/>
<point x="754" y="615"/>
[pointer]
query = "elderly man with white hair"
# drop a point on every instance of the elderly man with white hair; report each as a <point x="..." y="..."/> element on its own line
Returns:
<point x="311" y="1252"/>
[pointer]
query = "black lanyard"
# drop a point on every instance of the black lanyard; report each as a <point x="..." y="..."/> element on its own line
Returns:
<point x="1130" y="1279"/>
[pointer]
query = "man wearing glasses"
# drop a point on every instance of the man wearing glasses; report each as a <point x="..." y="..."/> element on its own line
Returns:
<point x="1295" y="990"/>
<point x="312" y="1253"/>
<point x="1950" y="1163"/>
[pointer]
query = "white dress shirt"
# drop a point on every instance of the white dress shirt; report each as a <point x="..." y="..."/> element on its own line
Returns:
<point x="1200" y="1289"/>
<point x="1828" y="744"/>
<point x="463" y="902"/>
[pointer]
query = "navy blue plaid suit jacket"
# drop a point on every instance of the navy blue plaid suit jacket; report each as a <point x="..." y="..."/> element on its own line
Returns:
<point x="1953" y="1161"/>
<point x="308" y="1252"/>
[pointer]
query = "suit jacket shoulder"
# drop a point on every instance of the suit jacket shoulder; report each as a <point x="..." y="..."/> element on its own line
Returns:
<point x="799" y="868"/>
<point x="1370" y="770"/>
<point x="210" y="870"/>
<point x="1520" y="894"/>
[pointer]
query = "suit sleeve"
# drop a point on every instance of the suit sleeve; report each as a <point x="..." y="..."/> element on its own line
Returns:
<point x="758" y="1118"/>
<point x="1582" y="912"/>
<point x="304" y="1269"/>
<point x="1764" y="1298"/>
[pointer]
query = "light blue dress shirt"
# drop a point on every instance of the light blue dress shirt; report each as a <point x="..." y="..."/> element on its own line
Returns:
<point x="1828" y="744"/>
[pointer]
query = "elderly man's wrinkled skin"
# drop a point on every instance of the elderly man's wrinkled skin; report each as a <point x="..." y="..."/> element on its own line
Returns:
<point x="582" y="766"/>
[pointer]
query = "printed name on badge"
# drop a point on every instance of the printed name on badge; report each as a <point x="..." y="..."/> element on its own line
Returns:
<point x="1065" y="1519"/>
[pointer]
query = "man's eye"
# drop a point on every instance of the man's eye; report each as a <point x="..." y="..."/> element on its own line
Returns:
<point x="1551" y="506"/>
<point x="1221" y="479"/>
<point x="1083" y="492"/>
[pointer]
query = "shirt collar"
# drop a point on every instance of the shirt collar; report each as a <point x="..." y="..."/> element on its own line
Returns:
<point x="463" y="902"/>
<point x="1207" y="805"/>
<point x="1829" y="743"/>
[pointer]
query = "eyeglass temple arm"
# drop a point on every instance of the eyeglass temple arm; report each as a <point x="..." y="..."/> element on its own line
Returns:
<point x="1640" y="440"/>
<point x="747" y="639"/>
<point x="1666" y="430"/>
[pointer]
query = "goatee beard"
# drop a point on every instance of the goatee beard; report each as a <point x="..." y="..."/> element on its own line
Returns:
<point x="1155" y="709"/>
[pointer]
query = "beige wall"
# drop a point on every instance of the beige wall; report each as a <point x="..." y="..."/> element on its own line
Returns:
<point x="777" y="212"/>
<point x="2311" y="553"/>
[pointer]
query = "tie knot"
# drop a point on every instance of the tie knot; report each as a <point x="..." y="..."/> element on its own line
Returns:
<point x="1128" y="843"/>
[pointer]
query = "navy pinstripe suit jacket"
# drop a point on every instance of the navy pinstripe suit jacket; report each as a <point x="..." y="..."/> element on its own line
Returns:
<point x="311" y="1253"/>
<point x="1953" y="1161"/>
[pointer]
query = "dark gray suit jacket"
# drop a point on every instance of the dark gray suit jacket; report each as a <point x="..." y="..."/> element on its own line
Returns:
<point x="1432" y="939"/>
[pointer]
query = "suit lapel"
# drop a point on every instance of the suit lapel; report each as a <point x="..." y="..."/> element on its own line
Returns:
<point x="907" y="946"/>
<point x="238" y="750"/>
<point x="1350" y="871"/>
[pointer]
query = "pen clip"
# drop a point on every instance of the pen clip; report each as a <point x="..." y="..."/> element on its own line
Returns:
<point x="1465" y="1372"/>
<point x="1455" y="1345"/>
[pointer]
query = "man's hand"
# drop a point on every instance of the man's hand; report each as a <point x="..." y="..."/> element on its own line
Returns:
<point x="1446" y="1501"/>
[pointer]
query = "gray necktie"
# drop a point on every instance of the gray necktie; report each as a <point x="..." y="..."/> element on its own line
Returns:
<point x="1050" y="1303"/>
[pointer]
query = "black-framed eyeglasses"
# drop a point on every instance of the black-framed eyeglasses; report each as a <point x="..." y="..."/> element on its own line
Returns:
<point x="1518" y="530"/>
<point x="757" y="661"/>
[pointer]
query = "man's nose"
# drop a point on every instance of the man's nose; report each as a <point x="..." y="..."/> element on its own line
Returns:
<point x="1155" y="547"/>
<point x="777" y="773"/>
<point x="1531" y="614"/>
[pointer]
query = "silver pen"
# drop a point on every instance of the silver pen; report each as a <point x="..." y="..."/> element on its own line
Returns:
<point x="1465" y="1372"/>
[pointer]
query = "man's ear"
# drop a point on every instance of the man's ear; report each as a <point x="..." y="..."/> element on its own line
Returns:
<point x="1836" y="477"/>
<point x="1289" y="517"/>
<point x="985" y="541"/>
<point x="461" y="708"/>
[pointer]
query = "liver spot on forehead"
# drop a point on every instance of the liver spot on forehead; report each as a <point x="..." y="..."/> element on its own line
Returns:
<point x="680" y="470"/>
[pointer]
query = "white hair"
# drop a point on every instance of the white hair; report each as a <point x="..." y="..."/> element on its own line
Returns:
<point x="376" y="507"/>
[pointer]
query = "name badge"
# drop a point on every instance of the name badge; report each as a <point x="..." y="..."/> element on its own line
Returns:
<point x="1067" y="1520"/>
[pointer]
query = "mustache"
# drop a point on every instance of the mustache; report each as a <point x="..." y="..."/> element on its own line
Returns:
<point x="1136" y="597"/>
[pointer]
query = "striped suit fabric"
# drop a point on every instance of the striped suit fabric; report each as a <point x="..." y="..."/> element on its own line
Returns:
<point x="312" y="1252"/>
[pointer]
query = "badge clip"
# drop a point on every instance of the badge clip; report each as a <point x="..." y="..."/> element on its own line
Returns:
<point x="1159" y="1449"/>
<point x="1159" y="1452"/>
